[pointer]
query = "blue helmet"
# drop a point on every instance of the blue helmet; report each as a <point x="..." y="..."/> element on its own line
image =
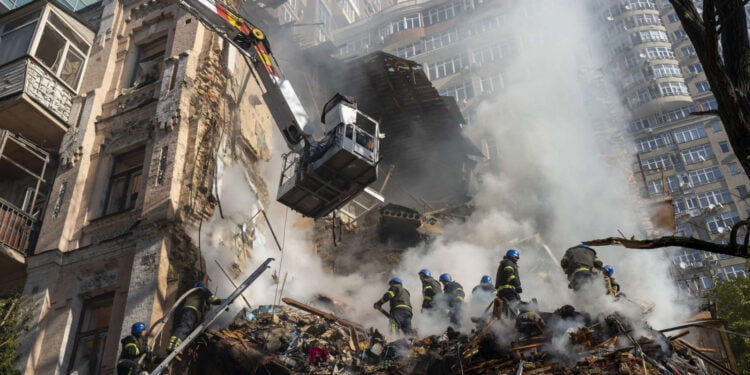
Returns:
<point x="446" y="277"/>
<point x="200" y="284"/>
<point x="513" y="253"/>
<point x="396" y="280"/>
<point x="426" y="272"/>
<point x="138" y="328"/>
<point x="486" y="279"/>
<point x="610" y="270"/>
<point x="584" y="245"/>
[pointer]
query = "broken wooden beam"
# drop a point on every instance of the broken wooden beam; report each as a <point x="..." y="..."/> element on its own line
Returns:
<point x="323" y="314"/>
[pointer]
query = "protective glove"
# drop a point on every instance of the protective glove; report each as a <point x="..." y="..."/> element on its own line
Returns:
<point x="376" y="306"/>
<point x="519" y="290"/>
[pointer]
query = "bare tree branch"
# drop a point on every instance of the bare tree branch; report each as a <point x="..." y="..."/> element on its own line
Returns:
<point x="732" y="248"/>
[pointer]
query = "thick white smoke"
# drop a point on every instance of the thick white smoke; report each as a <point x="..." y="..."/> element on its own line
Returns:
<point x="553" y="187"/>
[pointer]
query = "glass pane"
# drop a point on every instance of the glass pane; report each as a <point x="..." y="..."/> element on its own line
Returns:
<point x="116" y="194"/>
<point x="16" y="43"/>
<point x="100" y="317"/>
<point x="88" y="354"/>
<point x="50" y="48"/>
<point x="72" y="68"/>
<point x="68" y="32"/>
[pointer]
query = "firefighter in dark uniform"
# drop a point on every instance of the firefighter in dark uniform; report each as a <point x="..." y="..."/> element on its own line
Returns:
<point x="613" y="288"/>
<point x="507" y="281"/>
<point x="430" y="290"/>
<point x="133" y="347"/>
<point x="454" y="297"/>
<point x="195" y="306"/>
<point x="580" y="263"/>
<point x="400" y="302"/>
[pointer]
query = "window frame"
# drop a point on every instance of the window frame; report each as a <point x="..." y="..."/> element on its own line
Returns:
<point x="102" y="300"/>
<point x="129" y="174"/>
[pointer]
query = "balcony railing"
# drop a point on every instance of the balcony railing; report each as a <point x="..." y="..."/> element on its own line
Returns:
<point x="29" y="76"/>
<point x="17" y="229"/>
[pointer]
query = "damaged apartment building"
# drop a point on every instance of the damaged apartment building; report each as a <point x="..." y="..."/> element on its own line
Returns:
<point x="114" y="117"/>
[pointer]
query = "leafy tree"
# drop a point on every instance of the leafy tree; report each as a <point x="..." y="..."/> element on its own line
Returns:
<point x="14" y="318"/>
<point x="723" y="23"/>
<point x="732" y="299"/>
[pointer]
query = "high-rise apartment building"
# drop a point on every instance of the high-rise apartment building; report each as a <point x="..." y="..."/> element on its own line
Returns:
<point x="680" y="155"/>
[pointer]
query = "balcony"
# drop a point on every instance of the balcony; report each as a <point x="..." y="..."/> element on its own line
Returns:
<point x="43" y="53"/>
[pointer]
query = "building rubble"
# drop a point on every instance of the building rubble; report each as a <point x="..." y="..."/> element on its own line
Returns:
<point x="301" y="339"/>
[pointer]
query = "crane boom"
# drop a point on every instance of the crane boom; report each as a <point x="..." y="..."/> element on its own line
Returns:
<point x="318" y="177"/>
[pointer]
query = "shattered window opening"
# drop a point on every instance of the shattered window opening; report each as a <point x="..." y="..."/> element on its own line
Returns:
<point x="125" y="181"/>
<point x="147" y="69"/>
<point x="91" y="335"/>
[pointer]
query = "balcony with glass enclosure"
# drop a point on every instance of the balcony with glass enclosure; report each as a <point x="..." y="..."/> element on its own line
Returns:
<point x="43" y="54"/>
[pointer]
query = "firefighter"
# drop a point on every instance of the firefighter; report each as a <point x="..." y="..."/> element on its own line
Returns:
<point x="580" y="264"/>
<point x="454" y="296"/>
<point x="613" y="288"/>
<point x="196" y="305"/>
<point x="430" y="290"/>
<point x="400" y="303"/>
<point x="508" y="282"/>
<point x="133" y="347"/>
<point x="482" y="295"/>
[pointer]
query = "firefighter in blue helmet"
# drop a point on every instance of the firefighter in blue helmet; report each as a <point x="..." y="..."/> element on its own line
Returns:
<point x="482" y="295"/>
<point x="133" y="347"/>
<point x="508" y="282"/>
<point x="191" y="313"/>
<point x="613" y="288"/>
<point x="431" y="290"/>
<point x="454" y="297"/>
<point x="580" y="263"/>
<point x="400" y="306"/>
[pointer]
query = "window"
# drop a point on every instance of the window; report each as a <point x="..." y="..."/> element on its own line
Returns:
<point x="689" y="133"/>
<point x="713" y="198"/>
<point x="659" y="53"/>
<point x="742" y="191"/>
<point x="666" y="70"/>
<point x="733" y="169"/>
<point x="409" y="21"/>
<point x="652" y="36"/>
<point x="286" y="14"/>
<point x="492" y="83"/>
<point x="488" y="54"/>
<point x="702" y="86"/>
<point x="409" y="51"/>
<point x="446" y="67"/>
<point x="707" y="283"/>
<point x="460" y="92"/>
<point x="483" y="25"/>
<point x="684" y="229"/>
<point x="62" y="51"/>
<point x="708" y="104"/>
<point x="76" y="5"/>
<point x="15" y="37"/>
<point x="349" y="9"/>
<point x="673" y="18"/>
<point x="705" y="176"/>
<point x="673" y="182"/>
<point x="737" y="270"/>
<point x="684" y="204"/>
<point x="695" y="68"/>
<point x="125" y="181"/>
<point x="687" y="51"/>
<point x="440" y="14"/>
<point x="652" y="143"/>
<point x="672" y="88"/>
<point x="724" y="146"/>
<point x="697" y="154"/>
<point x="91" y="335"/>
<point x="440" y="40"/>
<point x="680" y="34"/>
<point x="658" y="163"/>
<point x="655" y="188"/>
<point x="324" y="18"/>
<point x="150" y="61"/>
<point x="716" y="126"/>
<point x="687" y="256"/>
<point x="722" y="223"/>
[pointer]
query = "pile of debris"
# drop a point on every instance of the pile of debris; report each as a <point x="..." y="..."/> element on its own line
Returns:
<point x="300" y="339"/>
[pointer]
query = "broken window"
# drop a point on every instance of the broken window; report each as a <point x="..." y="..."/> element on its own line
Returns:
<point x="91" y="335"/>
<point x="16" y="36"/>
<point x="125" y="181"/>
<point x="148" y="67"/>
<point x="62" y="51"/>
<point x="697" y="154"/>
